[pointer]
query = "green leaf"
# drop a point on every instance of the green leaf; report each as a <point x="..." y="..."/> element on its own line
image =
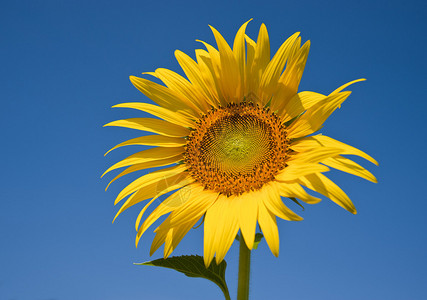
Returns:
<point x="258" y="238"/>
<point x="194" y="266"/>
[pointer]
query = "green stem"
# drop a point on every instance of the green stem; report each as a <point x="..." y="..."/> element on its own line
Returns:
<point x="244" y="271"/>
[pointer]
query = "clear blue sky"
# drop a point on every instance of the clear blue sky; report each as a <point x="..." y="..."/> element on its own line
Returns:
<point x="65" y="63"/>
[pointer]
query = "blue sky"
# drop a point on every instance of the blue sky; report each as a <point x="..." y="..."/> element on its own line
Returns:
<point x="65" y="63"/>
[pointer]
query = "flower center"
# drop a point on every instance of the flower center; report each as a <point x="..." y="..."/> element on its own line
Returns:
<point x="237" y="148"/>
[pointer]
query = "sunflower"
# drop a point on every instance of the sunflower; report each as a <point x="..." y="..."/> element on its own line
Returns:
<point x="232" y="138"/>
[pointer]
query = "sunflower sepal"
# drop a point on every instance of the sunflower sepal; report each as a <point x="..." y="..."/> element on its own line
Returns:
<point x="257" y="240"/>
<point x="297" y="202"/>
<point x="288" y="123"/>
<point x="268" y="104"/>
<point x="194" y="266"/>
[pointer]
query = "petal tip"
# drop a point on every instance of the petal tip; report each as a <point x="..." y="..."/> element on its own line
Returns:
<point x="207" y="261"/>
<point x="105" y="173"/>
<point x="178" y="53"/>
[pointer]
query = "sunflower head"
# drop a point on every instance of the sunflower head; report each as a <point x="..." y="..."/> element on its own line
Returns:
<point x="237" y="148"/>
<point x="230" y="141"/>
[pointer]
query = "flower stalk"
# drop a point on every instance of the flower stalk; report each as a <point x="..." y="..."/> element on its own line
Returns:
<point x="244" y="271"/>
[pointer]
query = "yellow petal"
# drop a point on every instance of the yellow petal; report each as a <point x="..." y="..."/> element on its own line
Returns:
<point x="349" y="166"/>
<point x="183" y="89"/>
<point x="150" y="178"/>
<point x="146" y="165"/>
<point x="274" y="204"/>
<point x="251" y="46"/>
<point x="267" y="223"/>
<point x="160" y="237"/>
<point x="146" y="156"/>
<point x="213" y="216"/>
<point x="156" y="189"/>
<point x="324" y="186"/>
<point x="311" y="142"/>
<point x="152" y="125"/>
<point x="210" y="75"/>
<point x="170" y="236"/>
<point x="239" y="54"/>
<point x="175" y="236"/>
<point x="193" y="73"/>
<point x="346" y="85"/>
<point x="274" y="69"/>
<point x="152" y="140"/>
<point x="221" y="226"/>
<point x="198" y="202"/>
<point x="163" y="96"/>
<point x="294" y="190"/>
<point x="248" y="215"/>
<point x="298" y="104"/>
<point x="150" y="73"/>
<point x="314" y="117"/>
<point x="163" y="113"/>
<point x="170" y="204"/>
<point x="228" y="226"/>
<point x="230" y="75"/>
<point x="291" y="77"/>
<point x="314" y="155"/>
<point x="210" y="66"/>
<point x="295" y="171"/>
<point x="261" y="59"/>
